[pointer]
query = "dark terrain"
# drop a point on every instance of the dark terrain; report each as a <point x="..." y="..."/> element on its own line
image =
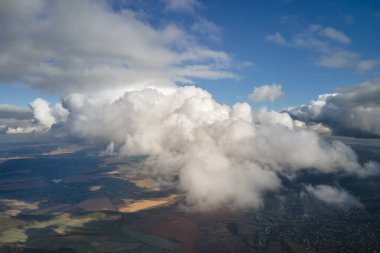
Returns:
<point x="64" y="198"/>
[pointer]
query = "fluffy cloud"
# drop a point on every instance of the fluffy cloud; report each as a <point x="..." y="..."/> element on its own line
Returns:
<point x="45" y="116"/>
<point x="267" y="92"/>
<point x="223" y="156"/>
<point x="333" y="196"/>
<point x="352" y="111"/>
<point x="59" y="47"/>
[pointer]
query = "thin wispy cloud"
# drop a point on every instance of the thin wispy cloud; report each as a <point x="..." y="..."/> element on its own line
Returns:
<point x="181" y="5"/>
<point x="329" y="45"/>
<point x="276" y="38"/>
<point x="335" y="35"/>
<point x="207" y="29"/>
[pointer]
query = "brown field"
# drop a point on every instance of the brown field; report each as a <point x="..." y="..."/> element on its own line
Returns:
<point x="81" y="178"/>
<point x="98" y="204"/>
<point x="139" y="205"/>
<point x="147" y="183"/>
<point x="62" y="151"/>
<point x="112" y="172"/>
<point x="15" y="207"/>
<point x="21" y="183"/>
<point x="123" y="167"/>
<point x="53" y="209"/>
<point x="181" y="228"/>
<point x="95" y="188"/>
<point x="61" y="224"/>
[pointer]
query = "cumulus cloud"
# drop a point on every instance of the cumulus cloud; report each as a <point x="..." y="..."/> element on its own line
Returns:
<point x="42" y="112"/>
<point x="223" y="156"/>
<point x="46" y="116"/>
<point x="353" y="111"/>
<point x="68" y="50"/>
<point x="333" y="196"/>
<point x="267" y="92"/>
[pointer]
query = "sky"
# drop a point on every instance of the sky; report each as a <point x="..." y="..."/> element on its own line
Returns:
<point x="308" y="47"/>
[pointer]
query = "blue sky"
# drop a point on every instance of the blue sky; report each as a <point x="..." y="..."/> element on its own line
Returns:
<point x="248" y="23"/>
<point x="243" y="29"/>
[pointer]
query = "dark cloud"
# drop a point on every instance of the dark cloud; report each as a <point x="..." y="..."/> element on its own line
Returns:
<point x="353" y="111"/>
<point x="15" y="112"/>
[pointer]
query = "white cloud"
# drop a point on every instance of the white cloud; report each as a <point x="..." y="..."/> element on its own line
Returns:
<point x="267" y="92"/>
<point x="42" y="112"/>
<point x="266" y="117"/>
<point x="68" y="50"/>
<point x="21" y="130"/>
<point x="333" y="196"/>
<point x="46" y="116"/>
